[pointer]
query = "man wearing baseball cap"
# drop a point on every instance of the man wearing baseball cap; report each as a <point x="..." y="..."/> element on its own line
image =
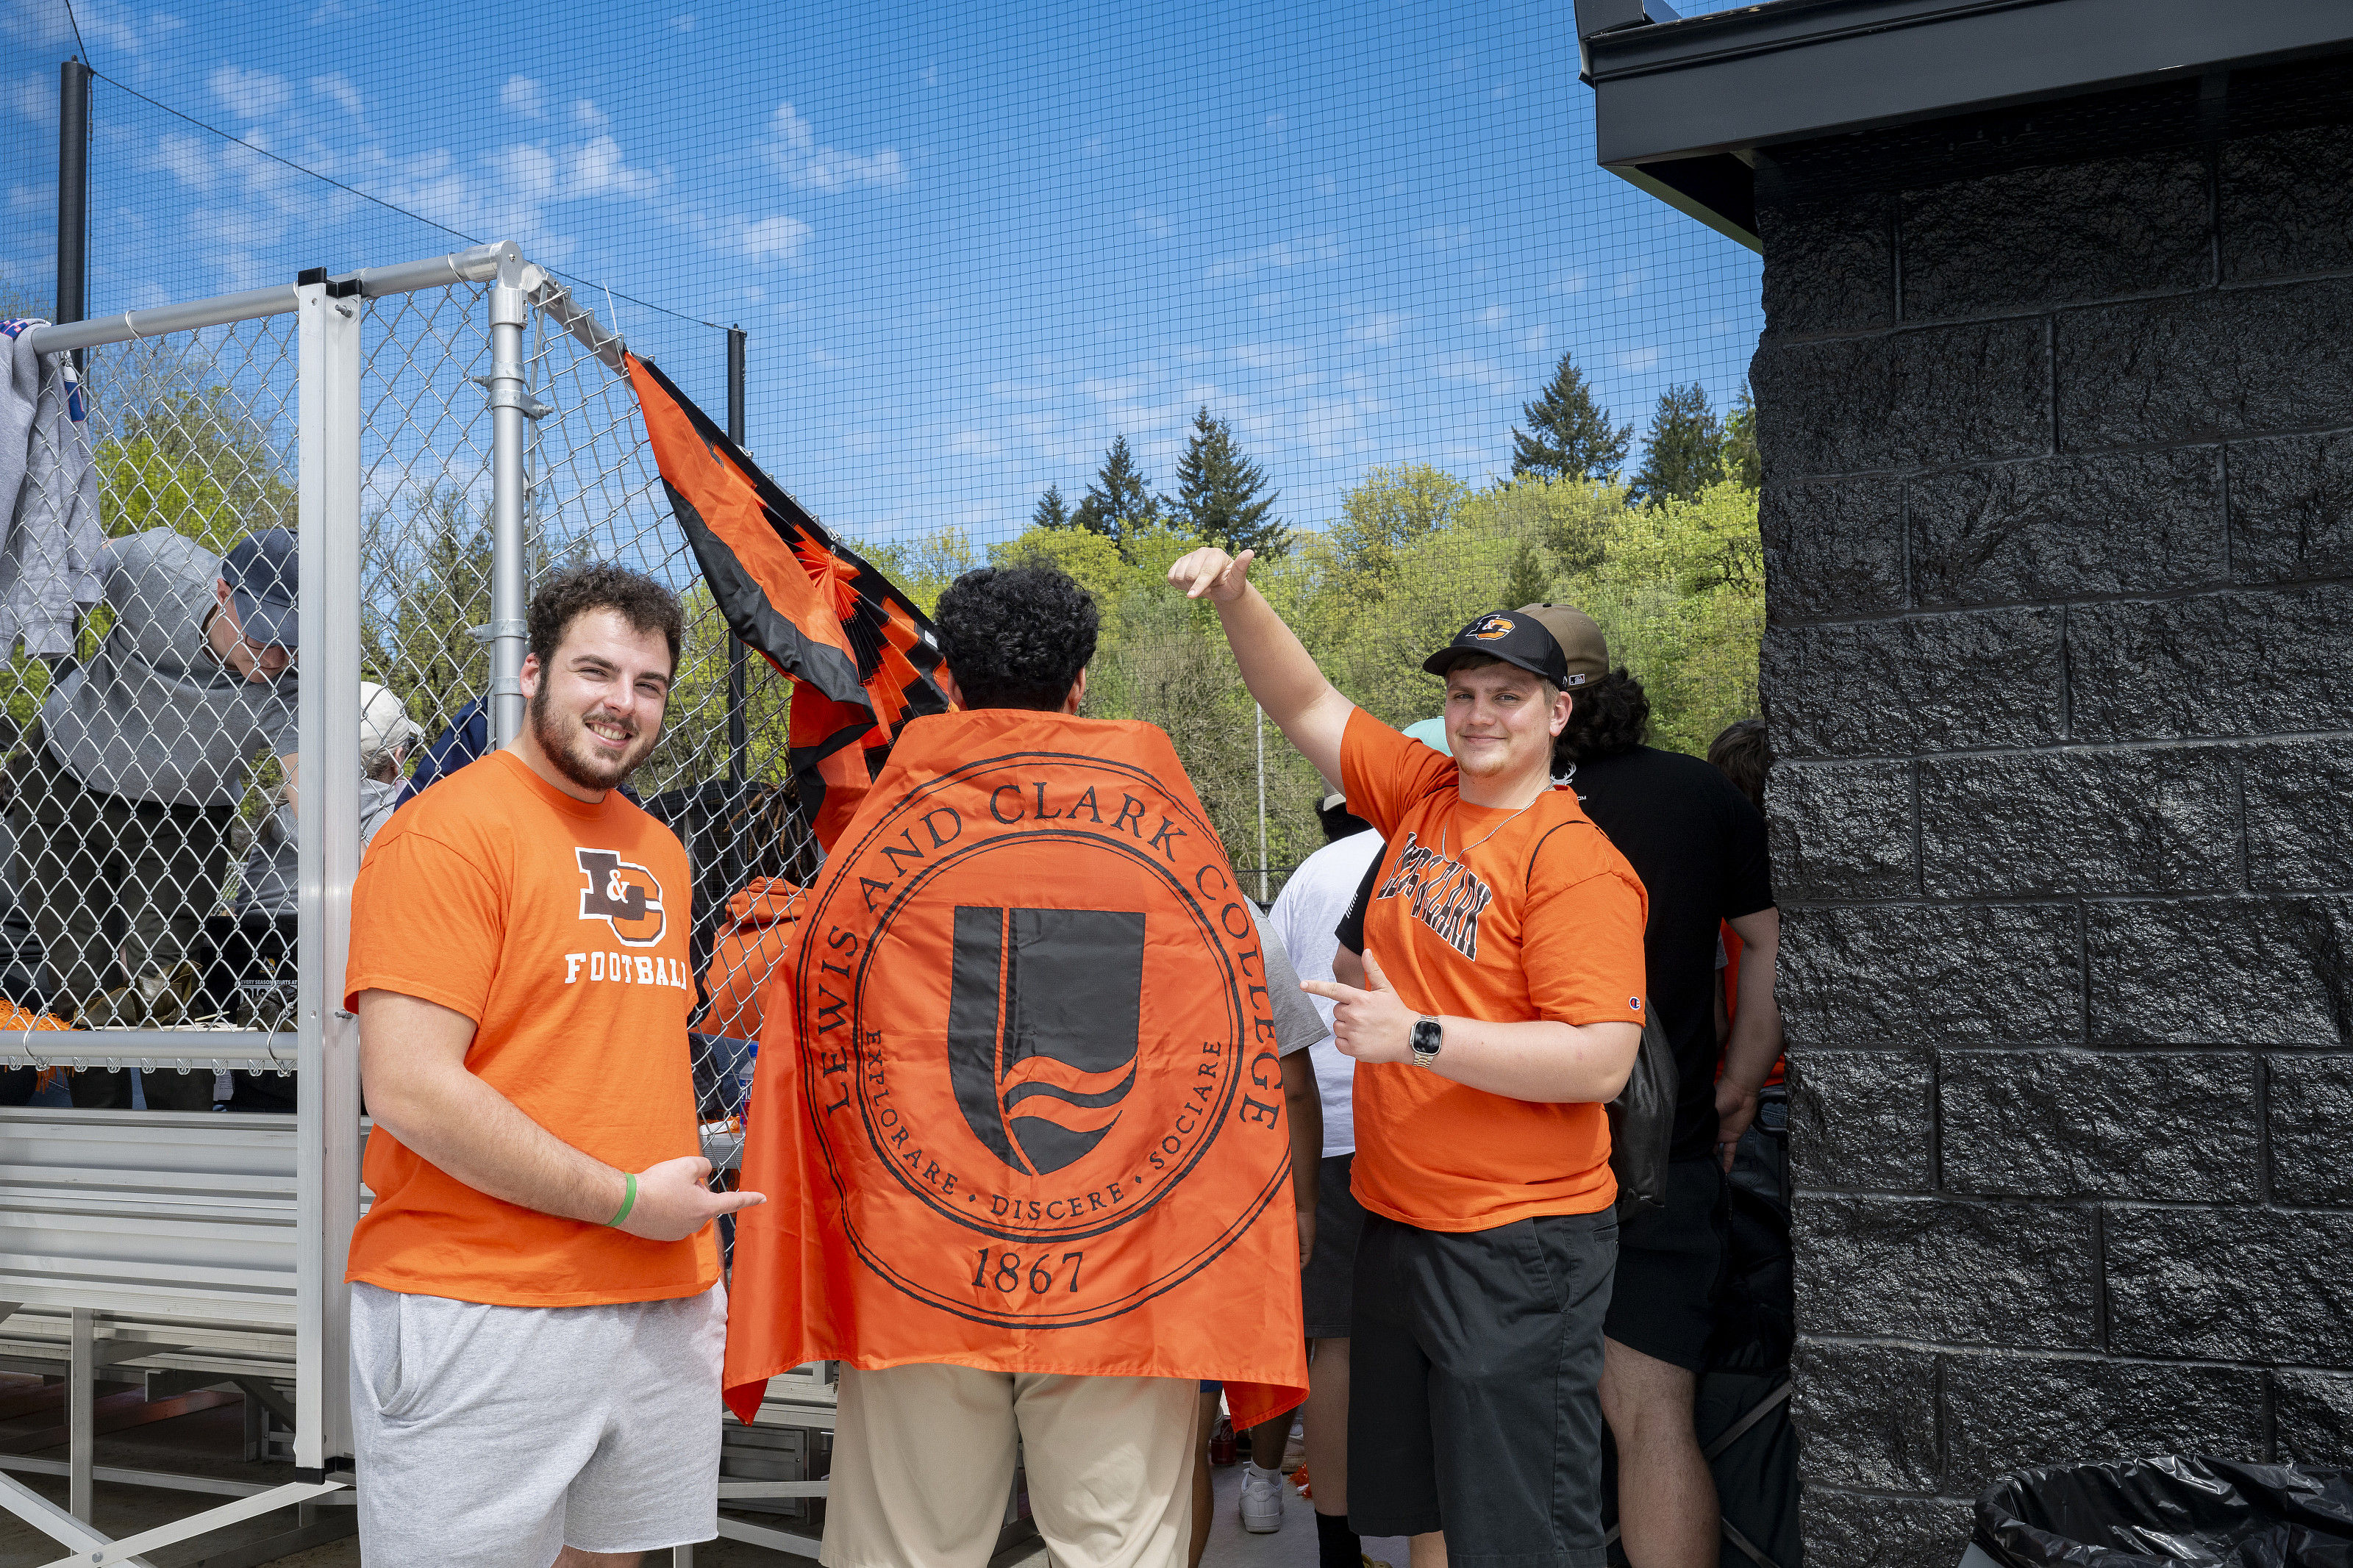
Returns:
<point x="123" y="793"/>
<point x="1698" y="844"/>
<point x="1502" y="1008"/>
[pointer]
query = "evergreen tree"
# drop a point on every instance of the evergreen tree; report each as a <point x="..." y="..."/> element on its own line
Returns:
<point x="1527" y="582"/>
<point x="1053" y="511"/>
<point x="1742" y="461"/>
<point x="1218" y="492"/>
<point x="1120" y="502"/>
<point x="1683" y="453"/>
<point x="1568" y="434"/>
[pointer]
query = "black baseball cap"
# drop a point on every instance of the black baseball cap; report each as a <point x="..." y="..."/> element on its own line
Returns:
<point x="261" y="573"/>
<point x="1515" y="638"/>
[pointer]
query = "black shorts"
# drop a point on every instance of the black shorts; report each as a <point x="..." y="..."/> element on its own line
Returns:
<point x="1669" y="1264"/>
<point x="1329" y="1282"/>
<point x="1474" y="1374"/>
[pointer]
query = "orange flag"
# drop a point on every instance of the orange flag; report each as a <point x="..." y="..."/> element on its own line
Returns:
<point x="1020" y="1106"/>
<point x="860" y="654"/>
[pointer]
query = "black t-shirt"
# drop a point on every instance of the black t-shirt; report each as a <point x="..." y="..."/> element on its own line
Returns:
<point x="1699" y="846"/>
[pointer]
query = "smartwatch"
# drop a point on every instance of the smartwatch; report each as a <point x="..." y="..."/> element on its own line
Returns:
<point x="1427" y="1038"/>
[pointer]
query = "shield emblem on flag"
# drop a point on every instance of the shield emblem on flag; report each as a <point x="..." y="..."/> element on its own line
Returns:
<point x="1043" y="1010"/>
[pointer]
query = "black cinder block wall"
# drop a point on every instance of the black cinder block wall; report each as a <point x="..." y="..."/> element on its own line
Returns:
<point x="2056" y="412"/>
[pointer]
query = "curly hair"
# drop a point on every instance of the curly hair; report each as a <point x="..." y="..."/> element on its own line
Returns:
<point x="1016" y="636"/>
<point x="563" y="598"/>
<point x="1745" y="756"/>
<point x="1608" y="716"/>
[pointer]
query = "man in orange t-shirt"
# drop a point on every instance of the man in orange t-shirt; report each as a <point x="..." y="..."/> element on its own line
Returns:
<point x="536" y="1326"/>
<point x="1504" y="962"/>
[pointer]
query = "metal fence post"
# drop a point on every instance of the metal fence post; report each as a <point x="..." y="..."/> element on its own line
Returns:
<point x="739" y="744"/>
<point x="73" y="193"/>
<point x="329" y="317"/>
<point x="509" y="434"/>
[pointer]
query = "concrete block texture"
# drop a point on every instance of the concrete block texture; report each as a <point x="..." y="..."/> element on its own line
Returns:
<point x="1965" y="681"/>
<point x="2292" y="508"/>
<point x="1950" y="1272"/>
<point x="2058" y="235"/>
<point x="1841" y="831"/>
<point x="2089" y="1123"/>
<point x="2196" y="367"/>
<point x="2243" y="1285"/>
<point x="2244" y="663"/>
<point x="1863" y="1119"/>
<point x="2310" y="1104"/>
<point x="2299" y="797"/>
<point x="1830" y="266"/>
<point x="2079" y="821"/>
<point x="2280" y="214"/>
<point x="2315" y="1417"/>
<point x="2063" y="528"/>
<point x="1922" y="974"/>
<point x="1903" y="399"/>
<point x="2222" y="971"/>
<point x="1862" y="1529"/>
<point x="2005" y="1412"/>
<point x="1831" y="549"/>
<point x="1866" y="1415"/>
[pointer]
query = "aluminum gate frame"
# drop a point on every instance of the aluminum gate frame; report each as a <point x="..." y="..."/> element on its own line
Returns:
<point x="324" y="1045"/>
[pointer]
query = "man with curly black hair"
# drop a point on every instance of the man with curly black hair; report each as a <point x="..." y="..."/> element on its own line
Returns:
<point x="1699" y="846"/>
<point x="1016" y="636"/>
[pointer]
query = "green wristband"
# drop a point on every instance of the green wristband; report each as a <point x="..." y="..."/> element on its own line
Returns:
<point x="627" y="1203"/>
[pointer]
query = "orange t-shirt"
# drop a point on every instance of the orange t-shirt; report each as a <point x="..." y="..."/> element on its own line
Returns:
<point x="1478" y="914"/>
<point x="560" y="928"/>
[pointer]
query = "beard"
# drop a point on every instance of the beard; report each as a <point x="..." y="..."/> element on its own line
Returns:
<point x="564" y="740"/>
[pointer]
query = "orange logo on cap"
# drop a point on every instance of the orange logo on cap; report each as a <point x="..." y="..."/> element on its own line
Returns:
<point x="1492" y="627"/>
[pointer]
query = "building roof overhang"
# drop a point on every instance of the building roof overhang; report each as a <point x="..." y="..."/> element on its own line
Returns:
<point x="1682" y="105"/>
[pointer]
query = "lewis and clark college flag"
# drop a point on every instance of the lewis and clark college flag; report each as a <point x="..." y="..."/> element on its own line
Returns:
<point x="1020" y="1106"/>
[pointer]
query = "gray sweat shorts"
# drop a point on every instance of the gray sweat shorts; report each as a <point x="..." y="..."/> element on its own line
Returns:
<point x="495" y="1436"/>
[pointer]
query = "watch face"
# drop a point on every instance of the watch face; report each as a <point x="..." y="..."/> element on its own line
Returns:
<point x="1425" y="1037"/>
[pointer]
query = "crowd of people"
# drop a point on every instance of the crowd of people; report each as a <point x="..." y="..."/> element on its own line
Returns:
<point x="1435" y="1014"/>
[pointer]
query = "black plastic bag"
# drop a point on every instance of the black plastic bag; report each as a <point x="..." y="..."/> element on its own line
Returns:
<point x="2173" y="1512"/>
<point x="1642" y="1123"/>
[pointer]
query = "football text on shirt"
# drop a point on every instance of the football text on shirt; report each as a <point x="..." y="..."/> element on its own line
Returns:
<point x="1448" y="895"/>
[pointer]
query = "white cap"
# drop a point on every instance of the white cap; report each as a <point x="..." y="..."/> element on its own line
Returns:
<point x="383" y="721"/>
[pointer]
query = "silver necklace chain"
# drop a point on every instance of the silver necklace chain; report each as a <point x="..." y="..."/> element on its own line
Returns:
<point x="1447" y="828"/>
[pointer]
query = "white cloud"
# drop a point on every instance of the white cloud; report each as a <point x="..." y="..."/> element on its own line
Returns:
<point x="1283" y="254"/>
<point x="249" y="95"/>
<point x="35" y="96"/>
<point x="1538" y="341"/>
<point x="1445" y="236"/>
<point x="598" y="169"/>
<point x="1638" y="359"/>
<point x="1629" y="280"/>
<point x="1152" y="223"/>
<point x="188" y="160"/>
<point x="1495" y="316"/>
<point x="588" y="116"/>
<point x="1477" y="371"/>
<point x="1569" y="283"/>
<point x="684" y="24"/>
<point x="1381" y="328"/>
<point x="931" y="75"/>
<point x="777" y="238"/>
<point x="337" y="86"/>
<point x="794" y="152"/>
<point x="522" y="96"/>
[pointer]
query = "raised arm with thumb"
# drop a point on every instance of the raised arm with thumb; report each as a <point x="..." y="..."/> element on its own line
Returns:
<point x="1279" y="673"/>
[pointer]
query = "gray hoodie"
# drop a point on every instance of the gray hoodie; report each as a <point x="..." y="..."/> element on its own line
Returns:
<point x="48" y="498"/>
<point x="155" y="715"/>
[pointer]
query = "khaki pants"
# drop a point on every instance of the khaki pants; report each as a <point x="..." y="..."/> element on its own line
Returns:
<point x="923" y="1465"/>
<point x="117" y="890"/>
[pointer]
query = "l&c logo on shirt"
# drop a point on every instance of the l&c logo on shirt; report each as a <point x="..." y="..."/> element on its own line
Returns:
<point x="625" y="894"/>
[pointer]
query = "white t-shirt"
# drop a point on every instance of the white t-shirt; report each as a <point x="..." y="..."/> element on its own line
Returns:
<point x="1304" y="915"/>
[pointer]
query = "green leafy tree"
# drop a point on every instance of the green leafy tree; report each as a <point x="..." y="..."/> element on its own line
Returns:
<point x="1391" y="508"/>
<point x="1742" y="462"/>
<point x="1052" y="511"/>
<point x="1684" y="452"/>
<point x="1568" y="434"/>
<point x="1221" y="494"/>
<point x="1120" y="502"/>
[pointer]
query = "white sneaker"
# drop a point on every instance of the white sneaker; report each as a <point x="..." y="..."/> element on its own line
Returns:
<point x="1261" y="1498"/>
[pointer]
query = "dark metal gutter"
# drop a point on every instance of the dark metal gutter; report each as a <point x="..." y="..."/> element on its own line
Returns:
<point x="1681" y="106"/>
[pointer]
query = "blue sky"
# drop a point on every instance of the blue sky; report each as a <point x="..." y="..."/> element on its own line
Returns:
<point x="971" y="245"/>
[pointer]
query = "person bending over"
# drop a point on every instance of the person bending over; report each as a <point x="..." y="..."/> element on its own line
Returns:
<point x="1503" y="1006"/>
<point x="536" y="1318"/>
